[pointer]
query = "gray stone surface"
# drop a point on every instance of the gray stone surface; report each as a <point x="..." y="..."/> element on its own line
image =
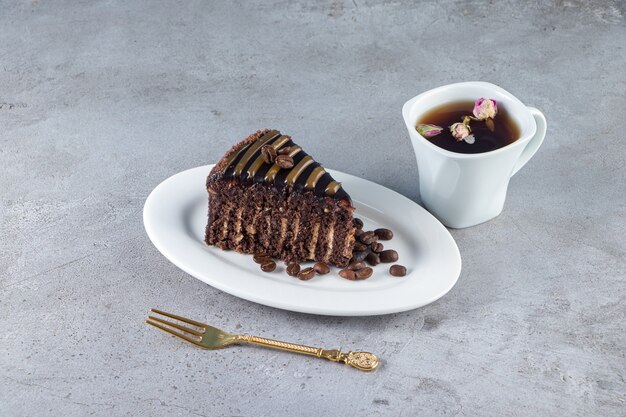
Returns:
<point x="100" y="101"/>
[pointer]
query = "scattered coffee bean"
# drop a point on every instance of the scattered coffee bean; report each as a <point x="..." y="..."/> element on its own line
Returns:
<point x="284" y="161"/>
<point x="321" y="268"/>
<point x="384" y="234"/>
<point x="268" y="153"/>
<point x="306" y="274"/>
<point x="261" y="258"/>
<point x="360" y="255"/>
<point x="284" y="151"/>
<point x="355" y="266"/>
<point x="293" y="268"/>
<point x="372" y="259"/>
<point x="388" y="256"/>
<point x="368" y="238"/>
<point x="377" y="247"/>
<point x="268" y="266"/>
<point x="364" y="273"/>
<point x="397" y="270"/>
<point x="358" y="246"/>
<point x="358" y="223"/>
<point x="347" y="274"/>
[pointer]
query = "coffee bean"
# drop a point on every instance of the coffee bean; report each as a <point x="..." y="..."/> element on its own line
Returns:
<point x="261" y="258"/>
<point x="364" y="273"/>
<point x="368" y="237"/>
<point x="268" y="266"/>
<point x="285" y="150"/>
<point x="384" y="234"/>
<point x="377" y="247"/>
<point x="358" y="232"/>
<point x="355" y="266"/>
<point x="397" y="270"/>
<point x="358" y="246"/>
<point x="347" y="274"/>
<point x="358" y="223"/>
<point x="284" y="161"/>
<point x="293" y="268"/>
<point x="388" y="256"/>
<point x="321" y="268"/>
<point x="268" y="153"/>
<point x="306" y="274"/>
<point x="360" y="255"/>
<point x="372" y="259"/>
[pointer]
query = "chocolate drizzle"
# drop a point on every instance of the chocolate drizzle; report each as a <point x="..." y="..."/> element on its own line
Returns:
<point x="247" y="164"/>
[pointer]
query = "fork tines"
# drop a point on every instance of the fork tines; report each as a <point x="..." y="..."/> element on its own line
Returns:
<point x="196" y="336"/>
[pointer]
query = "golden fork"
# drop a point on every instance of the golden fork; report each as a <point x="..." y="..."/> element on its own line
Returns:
<point x="209" y="337"/>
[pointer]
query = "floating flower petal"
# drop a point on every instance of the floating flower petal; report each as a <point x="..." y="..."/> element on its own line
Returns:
<point x="460" y="131"/>
<point x="429" y="131"/>
<point x="485" y="108"/>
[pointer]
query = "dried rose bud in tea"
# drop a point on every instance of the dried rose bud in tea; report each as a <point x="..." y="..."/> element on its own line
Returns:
<point x="460" y="131"/>
<point x="428" y="131"/>
<point x="485" y="108"/>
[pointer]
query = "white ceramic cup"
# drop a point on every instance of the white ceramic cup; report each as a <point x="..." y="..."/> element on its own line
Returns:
<point x="464" y="190"/>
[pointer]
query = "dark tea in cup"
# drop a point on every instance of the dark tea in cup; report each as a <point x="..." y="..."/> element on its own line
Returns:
<point x="505" y="130"/>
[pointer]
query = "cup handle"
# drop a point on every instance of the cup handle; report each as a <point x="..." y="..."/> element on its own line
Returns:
<point x="535" y="142"/>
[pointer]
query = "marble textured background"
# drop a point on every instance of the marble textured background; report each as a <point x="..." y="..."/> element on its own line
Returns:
<point x="100" y="101"/>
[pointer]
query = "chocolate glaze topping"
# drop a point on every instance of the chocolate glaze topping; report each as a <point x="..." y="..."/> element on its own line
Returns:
<point x="247" y="164"/>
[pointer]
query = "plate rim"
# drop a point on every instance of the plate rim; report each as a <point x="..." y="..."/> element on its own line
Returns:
<point x="220" y="285"/>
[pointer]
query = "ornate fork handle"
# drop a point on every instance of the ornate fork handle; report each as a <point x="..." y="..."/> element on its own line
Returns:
<point x="365" y="361"/>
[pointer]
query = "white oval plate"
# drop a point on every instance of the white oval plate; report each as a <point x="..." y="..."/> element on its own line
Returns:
<point x="175" y="215"/>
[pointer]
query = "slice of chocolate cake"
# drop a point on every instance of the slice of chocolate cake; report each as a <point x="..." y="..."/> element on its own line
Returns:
<point x="267" y="195"/>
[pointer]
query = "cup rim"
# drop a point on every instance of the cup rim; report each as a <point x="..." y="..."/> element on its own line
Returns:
<point x="519" y="142"/>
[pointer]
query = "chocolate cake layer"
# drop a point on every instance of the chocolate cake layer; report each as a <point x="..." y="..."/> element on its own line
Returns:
<point x="294" y="214"/>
